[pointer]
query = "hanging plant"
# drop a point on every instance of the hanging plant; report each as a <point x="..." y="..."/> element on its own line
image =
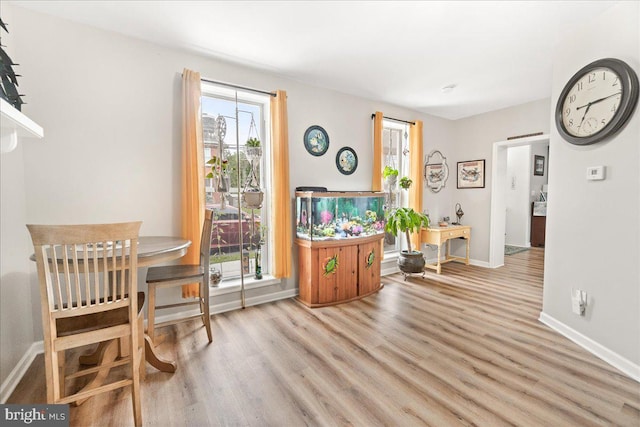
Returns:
<point x="405" y="182"/>
<point x="9" y="80"/>
<point x="254" y="151"/>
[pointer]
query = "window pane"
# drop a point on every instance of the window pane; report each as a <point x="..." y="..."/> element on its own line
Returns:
<point x="238" y="230"/>
<point x="394" y="143"/>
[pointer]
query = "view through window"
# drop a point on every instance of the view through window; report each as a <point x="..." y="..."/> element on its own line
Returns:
<point x="395" y="145"/>
<point x="236" y="150"/>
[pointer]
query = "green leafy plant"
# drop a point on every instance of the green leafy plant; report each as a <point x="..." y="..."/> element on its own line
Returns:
<point x="8" y="78"/>
<point x="253" y="142"/>
<point x="389" y="171"/>
<point x="405" y="182"/>
<point x="407" y="221"/>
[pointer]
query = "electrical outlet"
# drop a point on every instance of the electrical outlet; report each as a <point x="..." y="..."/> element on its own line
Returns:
<point x="578" y="301"/>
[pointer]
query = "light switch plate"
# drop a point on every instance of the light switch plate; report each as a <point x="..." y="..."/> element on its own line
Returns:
<point x="595" y="173"/>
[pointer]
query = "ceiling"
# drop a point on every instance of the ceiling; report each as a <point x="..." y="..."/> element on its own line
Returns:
<point x="497" y="53"/>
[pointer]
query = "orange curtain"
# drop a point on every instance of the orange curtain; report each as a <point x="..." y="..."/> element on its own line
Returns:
<point x="415" y="173"/>
<point x="192" y="173"/>
<point x="376" y="179"/>
<point x="376" y="175"/>
<point x="281" y="196"/>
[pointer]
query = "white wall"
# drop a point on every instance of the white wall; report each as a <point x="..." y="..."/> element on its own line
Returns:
<point x="15" y="290"/>
<point x="593" y="227"/>
<point x="537" y="181"/>
<point x="517" y="228"/>
<point x="110" y="107"/>
<point x="474" y="138"/>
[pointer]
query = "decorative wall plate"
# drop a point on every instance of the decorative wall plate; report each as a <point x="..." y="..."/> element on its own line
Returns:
<point x="316" y="140"/>
<point x="346" y="160"/>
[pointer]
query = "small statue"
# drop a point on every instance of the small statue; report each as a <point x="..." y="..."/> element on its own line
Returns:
<point x="459" y="213"/>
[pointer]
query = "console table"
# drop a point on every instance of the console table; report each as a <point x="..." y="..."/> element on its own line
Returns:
<point x="439" y="235"/>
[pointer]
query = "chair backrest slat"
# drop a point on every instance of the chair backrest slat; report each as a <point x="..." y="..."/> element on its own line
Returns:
<point x="86" y="267"/>
<point x="205" y="240"/>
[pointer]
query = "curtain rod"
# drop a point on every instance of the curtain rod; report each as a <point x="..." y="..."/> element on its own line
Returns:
<point x="239" y="87"/>
<point x="391" y="118"/>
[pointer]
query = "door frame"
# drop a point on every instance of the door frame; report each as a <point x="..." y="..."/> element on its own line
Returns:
<point x="497" y="223"/>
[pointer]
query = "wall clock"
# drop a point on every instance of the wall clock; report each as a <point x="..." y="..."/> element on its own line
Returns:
<point x="597" y="101"/>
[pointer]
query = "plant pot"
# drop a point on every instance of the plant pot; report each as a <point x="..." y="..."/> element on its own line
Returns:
<point x="391" y="181"/>
<point x="252" y="199"/>
<point x="254" y="153"/>
<point x="411" y="262"/>
<point x="223" y="184"/>
<point x="215" y="276"/>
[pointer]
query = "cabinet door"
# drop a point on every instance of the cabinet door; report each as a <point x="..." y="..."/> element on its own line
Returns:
<point x="538" y="230"/>
<point x="368" y="267"/>
<point x="337" y="275"/>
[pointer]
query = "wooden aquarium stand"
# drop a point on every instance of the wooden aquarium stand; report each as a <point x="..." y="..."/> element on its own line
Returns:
<point x="337" y="271"/>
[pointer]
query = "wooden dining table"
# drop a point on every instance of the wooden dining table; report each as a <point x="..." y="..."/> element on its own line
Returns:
<point x="157" y="250"/>
<point x="151" y="250"/>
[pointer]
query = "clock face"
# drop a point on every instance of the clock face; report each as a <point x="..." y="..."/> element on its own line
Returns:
<point x="597" y="101"/>
<point x="592" y="102"/>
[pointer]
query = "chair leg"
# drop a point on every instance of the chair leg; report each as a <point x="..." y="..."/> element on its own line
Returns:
<point x="204" y="304"/>
<point x="143" y="367"/>
<point x="151" y="317"/>
<point x="134" y="343"/>
<point x="52" y="372"/>
<point x="62" y="372"/>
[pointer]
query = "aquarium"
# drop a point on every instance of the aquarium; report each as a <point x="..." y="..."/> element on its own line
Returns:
<point x="339" y="215"/>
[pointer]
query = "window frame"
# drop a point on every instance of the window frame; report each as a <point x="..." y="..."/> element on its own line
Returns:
<point x="402" y="164"/>
<point x="263" y="102"/>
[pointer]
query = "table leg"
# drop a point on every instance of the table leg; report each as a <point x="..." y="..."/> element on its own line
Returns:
<point x="107" y="354"/>
<point x="439" y="265"/>
<point x="94" y="358"/>
<point x="468" y="245"/>
<point x="154" y="360"/>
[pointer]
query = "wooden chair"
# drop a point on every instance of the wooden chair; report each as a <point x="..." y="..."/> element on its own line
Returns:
<point x="178" y="275"/>
<point x="89" y="294"/>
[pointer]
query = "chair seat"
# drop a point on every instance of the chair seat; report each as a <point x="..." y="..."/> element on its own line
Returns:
<point x="174" y="272"/>
<point x="92" y="322"/>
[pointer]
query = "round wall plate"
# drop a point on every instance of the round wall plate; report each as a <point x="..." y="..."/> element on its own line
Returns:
<point x="316" y="140"/>
<point x="346" y="160"/>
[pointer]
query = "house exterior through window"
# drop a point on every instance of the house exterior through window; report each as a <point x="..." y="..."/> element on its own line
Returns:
<point x="233" y="122"/>
<point x="395" y="144"/>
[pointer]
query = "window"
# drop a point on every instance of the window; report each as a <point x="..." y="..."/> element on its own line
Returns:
<point x="395" y="144"/>
<point x="232" y="121"/>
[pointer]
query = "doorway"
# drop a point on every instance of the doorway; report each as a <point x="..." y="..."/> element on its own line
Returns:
<point x="498" y="194"/>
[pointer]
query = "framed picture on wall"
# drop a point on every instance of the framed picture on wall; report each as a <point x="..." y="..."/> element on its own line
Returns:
<point x="471" y="174"/>
<point x="538" y="165"/>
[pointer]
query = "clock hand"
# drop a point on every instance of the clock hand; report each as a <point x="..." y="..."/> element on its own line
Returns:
<point x="597" y="100"/>
<point x="585" y="113"/>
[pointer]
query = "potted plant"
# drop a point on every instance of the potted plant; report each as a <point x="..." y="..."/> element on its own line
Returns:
<point x="252" y="198"/>
<point x="405" y="182"/>
<point x="407" y="221"/>
<point x="219" y="173"/>
<point x="254" y="150"/>
<point x="390" y="176"/>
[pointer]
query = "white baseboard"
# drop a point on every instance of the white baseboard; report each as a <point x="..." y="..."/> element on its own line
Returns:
<point x="232" y="305"/>
<point x="477" y="263"/>
<point x="10" y="383"/>
<point x="614" y="359"/>
<point x="390" y="269"/>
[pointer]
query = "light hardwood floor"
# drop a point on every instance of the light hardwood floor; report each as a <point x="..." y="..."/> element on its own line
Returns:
<point x="461" y="348"/>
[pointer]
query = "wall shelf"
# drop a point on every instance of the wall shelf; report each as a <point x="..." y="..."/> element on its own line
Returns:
<point x="14" y="125"/>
